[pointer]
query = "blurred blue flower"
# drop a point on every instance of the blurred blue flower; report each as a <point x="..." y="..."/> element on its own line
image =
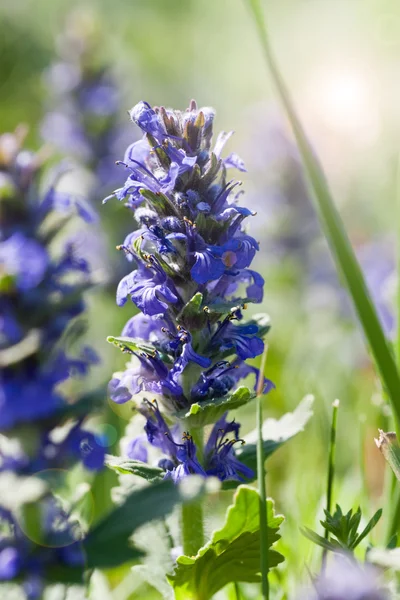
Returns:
<point x="346" y="579"/>
<point x="41" y="294"/>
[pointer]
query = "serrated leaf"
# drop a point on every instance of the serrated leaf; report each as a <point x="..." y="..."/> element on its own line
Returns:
<point x="134" y="467"/>
<point x="113" y="532"/>
<point x="209" y="411"/>
<point x="275" y="433"/>
<point x="233" y="553"/>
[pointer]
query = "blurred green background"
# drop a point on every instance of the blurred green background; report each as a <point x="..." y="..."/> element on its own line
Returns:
<point x="340" y="59"/>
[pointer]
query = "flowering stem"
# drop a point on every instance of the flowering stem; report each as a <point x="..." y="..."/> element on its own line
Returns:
<point x="192" y="518"/>
<point x="331" y="469"/>
<point x="262" y="484"/>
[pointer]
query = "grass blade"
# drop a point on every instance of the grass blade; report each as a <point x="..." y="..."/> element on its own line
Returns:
<point x="331" y="469"/>
<point x="262" y="491"/>
<point x="334" y="231"/>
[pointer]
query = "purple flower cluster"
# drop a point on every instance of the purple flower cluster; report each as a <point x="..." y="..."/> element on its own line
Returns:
<point x="42" y="279"/>
<point x="192" y="279"/>
<point x="179" y="453"/>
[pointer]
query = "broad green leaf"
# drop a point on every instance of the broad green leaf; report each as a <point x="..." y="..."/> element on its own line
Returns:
<point x="233" y="553"/>
<point x="155" y="540"/>
<point x="107" y="544"/>
<point x="131" y="344"/>
<point x="65" y="574"/>
<point x="209" y="411"/>
<point x="334" y="230"/>
<point x="276" y="432"/>
<point x="389" y="446"/>
<point x="134" y="467"/>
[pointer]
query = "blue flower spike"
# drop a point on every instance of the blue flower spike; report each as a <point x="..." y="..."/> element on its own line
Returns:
<point x="191" y="257"/>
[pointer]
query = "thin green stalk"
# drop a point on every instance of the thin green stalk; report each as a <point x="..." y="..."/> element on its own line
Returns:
<point x="262" y="488"/>
<point x="192" y="518"/>
<point x="331" y="469"/>
<point x="397" y="212"/>
<point x="392" y="489"/>
<point x="237" y="591"/>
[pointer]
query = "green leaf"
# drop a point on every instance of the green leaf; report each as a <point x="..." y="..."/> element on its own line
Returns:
<point x="344" y="529"/>
<point x="334" y="230"/>
<point x="127" y="344"/>
<point x="275" y="433"/>
<point x="209" y="411"/>
<point x="368" y="528"/>
<point x="389" y="446"/>
<point x="192" y="315"/>
<point x="160" y="203"/>
<point x="65" y="574"/>
<point x="134" y="467"/>
<point x="233" y="553"/>
<point x="107" y="544"/>
<point x="319" y="540"/>
<point x="216" y="310"/>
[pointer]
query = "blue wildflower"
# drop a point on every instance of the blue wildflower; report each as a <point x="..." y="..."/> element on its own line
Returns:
<point x="220" y="454"/>
<point x="149" y="288"/>
<point x="193" y="256"/>
<point x="179" y="453"/>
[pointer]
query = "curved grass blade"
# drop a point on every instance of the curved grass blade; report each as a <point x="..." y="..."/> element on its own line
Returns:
<point x="334" y="231"/>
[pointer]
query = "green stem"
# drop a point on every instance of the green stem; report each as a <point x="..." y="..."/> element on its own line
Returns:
<point x="397" y="212"/>
<point x="331" y="469"/>
<point x="392" y="495"/>
<point x="262" y="483"/>
<point x="237" y="591"/>
<point x="192" y="519"/>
